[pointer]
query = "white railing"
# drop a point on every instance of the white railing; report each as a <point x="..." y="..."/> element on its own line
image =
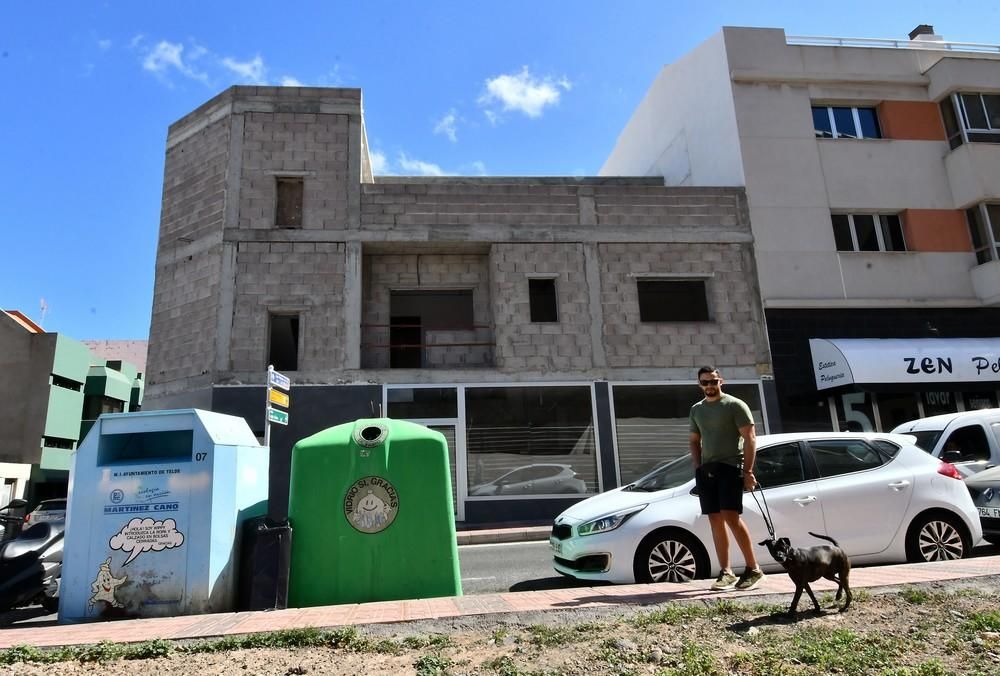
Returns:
<point x="889" y="43"/>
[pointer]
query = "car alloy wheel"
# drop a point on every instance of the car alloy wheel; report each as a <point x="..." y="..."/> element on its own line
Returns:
<point x="937" y="537"/>
<point x="669" y="556"/>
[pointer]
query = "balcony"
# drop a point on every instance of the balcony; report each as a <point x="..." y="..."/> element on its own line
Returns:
<point x="986" y="282"/>
<point x="412" y="344"/>
<point x="974" y="173"/>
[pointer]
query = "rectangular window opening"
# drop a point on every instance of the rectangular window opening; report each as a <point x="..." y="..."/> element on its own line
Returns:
<point x="283" y="343"/>
<point x="846" y="122"/>
<point x="288" y="212"/>
<point x="419" y="320"/>
<point x="868" y="232"/>
<point x="542" y="299"/>
<point x="662" y="300"/>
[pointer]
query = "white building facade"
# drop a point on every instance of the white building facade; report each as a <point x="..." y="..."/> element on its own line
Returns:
<point x="872" y="171"/>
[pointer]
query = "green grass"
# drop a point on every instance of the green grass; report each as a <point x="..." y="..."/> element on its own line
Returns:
<point x="432" y="665"/>
<point x="671" y="614"/>
<point x="691" y="659"/>
<point x="977" y="622"/>
<point x="844" y="650"/>
<point x="915" y="595"/>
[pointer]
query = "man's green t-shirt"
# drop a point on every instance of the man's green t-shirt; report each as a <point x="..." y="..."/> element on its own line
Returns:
<point x="719" y="423"/>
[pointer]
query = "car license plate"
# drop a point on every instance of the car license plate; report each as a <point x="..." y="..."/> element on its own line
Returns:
<point x="990" y="512"/>
<point x="556" y="545"/>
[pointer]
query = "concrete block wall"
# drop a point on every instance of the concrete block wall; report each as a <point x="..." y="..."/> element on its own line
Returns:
<point x="188" y="264"/>
<point x="307" y="145"/>
<point x="306" y="278"/>
<point x="383" y="273"/>
<point x="522" y="345"/>
<point x="732" y="337"/>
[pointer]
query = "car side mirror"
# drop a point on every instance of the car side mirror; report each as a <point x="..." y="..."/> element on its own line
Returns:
<point x="952" y="456"/>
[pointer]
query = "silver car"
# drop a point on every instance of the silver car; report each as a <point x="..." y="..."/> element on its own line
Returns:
<point x="984" y="488"/>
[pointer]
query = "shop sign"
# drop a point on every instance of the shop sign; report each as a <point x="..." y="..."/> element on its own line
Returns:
<point x="838" y="362"/>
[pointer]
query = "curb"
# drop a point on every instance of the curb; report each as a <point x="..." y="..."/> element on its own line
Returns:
<point x="498" y="535"/>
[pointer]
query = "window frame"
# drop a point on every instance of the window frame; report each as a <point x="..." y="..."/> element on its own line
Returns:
<point x="961" y="114"/>
<point x="856" y="117"/>
<point x="880" y="232"/>
<point x="989" y="249"/>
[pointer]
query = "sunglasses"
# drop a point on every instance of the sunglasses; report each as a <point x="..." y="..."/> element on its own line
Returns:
<point x="706" y="383"/>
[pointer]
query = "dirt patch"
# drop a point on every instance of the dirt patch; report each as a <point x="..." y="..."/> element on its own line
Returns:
<point x="939" y="628"/>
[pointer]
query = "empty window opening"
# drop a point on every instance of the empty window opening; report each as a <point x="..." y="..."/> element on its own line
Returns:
<point x="59" y="381"/>
<point x="542" y="299"/>
<point x="413" y="314"/>
<point x="662" y="300"/>
<point x="96" y="404"/>
<point x="283" y="346"/>
<point x="288" y="213"/>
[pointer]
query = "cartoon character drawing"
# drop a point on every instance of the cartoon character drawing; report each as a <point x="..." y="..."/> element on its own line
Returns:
<point x="371" y="512"/>
<point x="105" y="585"/>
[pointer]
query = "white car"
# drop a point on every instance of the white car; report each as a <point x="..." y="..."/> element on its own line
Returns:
<point x="880" y="496"/>
<point x="47" y="510"/>
<point x="537" y="479"/>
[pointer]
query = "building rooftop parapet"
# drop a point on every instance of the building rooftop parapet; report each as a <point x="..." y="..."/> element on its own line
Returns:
<point x="891" y="43"/>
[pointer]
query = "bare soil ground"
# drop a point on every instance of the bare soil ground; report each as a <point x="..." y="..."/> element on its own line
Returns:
<point x="945" y="628"/>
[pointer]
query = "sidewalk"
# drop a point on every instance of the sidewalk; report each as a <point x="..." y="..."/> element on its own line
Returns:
<point x="496" y="535"/>
<point x="222" y="624"/>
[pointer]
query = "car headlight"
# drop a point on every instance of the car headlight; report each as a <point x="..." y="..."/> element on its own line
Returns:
<point x="608" y="522"/>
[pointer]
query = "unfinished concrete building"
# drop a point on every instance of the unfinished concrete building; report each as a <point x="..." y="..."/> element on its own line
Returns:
<point x="550" y="328"/>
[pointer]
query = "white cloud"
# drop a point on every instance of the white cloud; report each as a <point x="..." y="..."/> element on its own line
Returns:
<point x="478" y="167"/>
<point x="522" y="92"/>
<point x="136" y="41"/>
<point x="252" y="71"/>
<point x="104" y="45"/>
<point x="380" y="165"/>
<point x="419" y="167"/>
<point x="167" y="56"/>
<point x="289" y="81"/>
<point x="446" y="126"/>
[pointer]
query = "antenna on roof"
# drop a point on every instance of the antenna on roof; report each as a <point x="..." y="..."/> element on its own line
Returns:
<point x="44" y="307"/>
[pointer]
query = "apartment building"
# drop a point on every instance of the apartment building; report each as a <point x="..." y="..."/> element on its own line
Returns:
<point x="550" y="328"/>
<point x="53" y="389"/>
<point x="872" y="171"/>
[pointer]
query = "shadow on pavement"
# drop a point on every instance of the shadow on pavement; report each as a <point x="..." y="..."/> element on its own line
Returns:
<point x="541" y="584"/>
<point x="31" y="614"/>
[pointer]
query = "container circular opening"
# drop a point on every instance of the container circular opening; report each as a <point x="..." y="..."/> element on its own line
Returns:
<point x="370" y="435"/>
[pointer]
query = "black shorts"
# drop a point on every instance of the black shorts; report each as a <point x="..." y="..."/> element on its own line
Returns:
<point x="720" y="487"/>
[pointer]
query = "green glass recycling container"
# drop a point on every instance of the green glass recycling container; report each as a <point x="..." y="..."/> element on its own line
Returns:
<point x="371" y="508"/>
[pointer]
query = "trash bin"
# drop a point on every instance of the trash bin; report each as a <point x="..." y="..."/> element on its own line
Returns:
<point x="371" y="505"/>
<point x="264" y="560"/>
<point x="156" y="500"/>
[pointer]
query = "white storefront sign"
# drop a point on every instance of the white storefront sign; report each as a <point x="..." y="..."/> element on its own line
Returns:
<point x="844" y="361"/>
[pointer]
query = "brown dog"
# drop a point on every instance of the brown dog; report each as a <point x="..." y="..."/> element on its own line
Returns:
<point x="808" y="565"/>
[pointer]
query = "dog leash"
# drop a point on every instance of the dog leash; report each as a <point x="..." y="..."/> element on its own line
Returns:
<point x="764" y="511"/>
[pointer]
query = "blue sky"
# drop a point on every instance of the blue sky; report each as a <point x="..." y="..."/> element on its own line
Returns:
<point x="505" y="88"/>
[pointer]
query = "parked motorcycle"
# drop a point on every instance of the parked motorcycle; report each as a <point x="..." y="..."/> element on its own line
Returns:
<point x="12" y="519"/>
<point x="31" y="567"/>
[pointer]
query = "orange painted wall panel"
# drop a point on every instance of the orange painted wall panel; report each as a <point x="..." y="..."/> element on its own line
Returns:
<point x="911" y="120"/>
<point x="936" y="230"/>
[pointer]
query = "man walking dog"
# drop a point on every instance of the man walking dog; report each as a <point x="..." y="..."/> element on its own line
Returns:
<point x="723" y="470"/>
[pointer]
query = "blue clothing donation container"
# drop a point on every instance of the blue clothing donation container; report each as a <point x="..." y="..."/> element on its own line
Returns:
<point x="156" y="500"/>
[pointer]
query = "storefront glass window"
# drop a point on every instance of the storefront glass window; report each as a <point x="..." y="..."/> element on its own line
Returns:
<point x="977" y="400"/>
<point x="897" y="408"/>
<point x="855" y="412"/>
<point x="651" y="423"/>
<point x="416" y="403"/>
<point x="937" y="403"/>
<point x="530" y="441"/>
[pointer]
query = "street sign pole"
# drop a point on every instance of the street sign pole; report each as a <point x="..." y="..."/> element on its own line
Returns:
<point x="275" y="382"/>
<point x="267" y="407"/>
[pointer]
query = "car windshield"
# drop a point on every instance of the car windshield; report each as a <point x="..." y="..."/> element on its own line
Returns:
<point x="669" y="475"/>
<point x="926" y="439"/>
